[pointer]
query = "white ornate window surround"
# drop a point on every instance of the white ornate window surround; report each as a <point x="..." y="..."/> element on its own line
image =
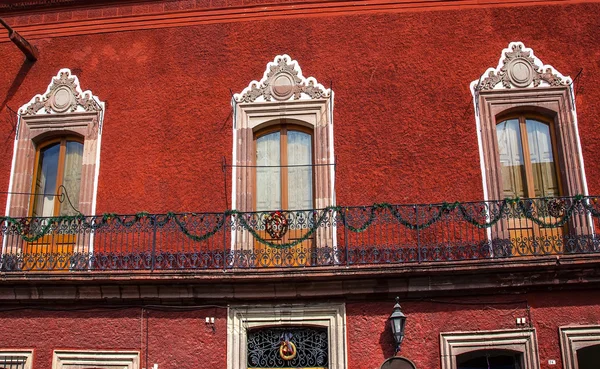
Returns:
<point x="523" y="341"/>
<point x="22" y="359"/>
<point x="242" y="318"/>
<point x="283" y="96"/>
<point x="522" y="83"/>
<point x="96" y="359"/>
<point x="64" y="109"/>
<point x="573" y="338"/>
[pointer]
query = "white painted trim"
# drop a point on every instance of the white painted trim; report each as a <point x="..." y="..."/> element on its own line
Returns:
<point x="241" y="318"/>
<point x="12" y="167"/>
<point x="234" y="155"/>
<point x="114" y="359"/>
<point x="11" y="180"/>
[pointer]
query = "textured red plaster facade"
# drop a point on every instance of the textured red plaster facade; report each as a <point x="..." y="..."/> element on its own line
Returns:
<point x="404" y="132"/>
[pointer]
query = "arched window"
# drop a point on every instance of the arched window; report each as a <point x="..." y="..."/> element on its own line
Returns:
<point x="58" y="163"/>
<point x="526" y="149"/>
<point x="490" y="359"/>
<point x="284" y="176"/>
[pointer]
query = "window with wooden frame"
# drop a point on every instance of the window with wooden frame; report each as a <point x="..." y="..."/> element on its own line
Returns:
<point x="284" y="168"/>
<point x="529" y="148"/>
<point x="519" y="98"/>
<point x="57" y="143"/>
<point x="283" y="159"/>
<point x="66" y="112"/>
<point x="528" y="157"/>
<point x="57" y="172"/>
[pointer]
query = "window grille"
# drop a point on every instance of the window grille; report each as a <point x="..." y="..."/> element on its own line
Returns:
<point x="13" y="362"/>
<point x="288" y="347"/>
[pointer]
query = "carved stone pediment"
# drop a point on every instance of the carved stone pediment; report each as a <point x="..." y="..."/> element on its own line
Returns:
<point x="63" y="95"/>
<point x="282" y="81"/>
<point x="519" y="68"/>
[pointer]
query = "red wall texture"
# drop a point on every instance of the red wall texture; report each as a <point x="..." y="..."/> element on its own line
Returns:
<point x="404" y="120"/>
<point x="182" y="340"/>
<point x="172" y="339"/>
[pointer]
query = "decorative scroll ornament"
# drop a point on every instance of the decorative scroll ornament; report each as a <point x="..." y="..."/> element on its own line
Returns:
<point x="63" y="96"/>
<point x="521" y="69"/>
<point x="276" y="225"/>
<point x="282" y="80"/>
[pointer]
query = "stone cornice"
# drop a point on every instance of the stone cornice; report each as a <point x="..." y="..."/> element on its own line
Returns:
<point x="409" y="281"/>
<point x="197" y="16"/>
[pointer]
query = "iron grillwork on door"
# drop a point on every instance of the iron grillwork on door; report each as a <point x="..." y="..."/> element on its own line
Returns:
<point x="288" y="347"/>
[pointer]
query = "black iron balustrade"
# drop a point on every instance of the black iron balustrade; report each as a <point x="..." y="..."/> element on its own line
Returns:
<point x="332" y="237"/>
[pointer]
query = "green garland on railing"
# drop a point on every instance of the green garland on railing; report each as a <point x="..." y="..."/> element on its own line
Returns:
<point x="161" y="220"/>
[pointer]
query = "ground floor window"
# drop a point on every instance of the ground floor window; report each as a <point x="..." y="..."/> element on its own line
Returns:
<point x="96" y="359"/>
<point x="580" y="346"/>
<point x="490" y="359"/>
<point x="15" y="359"/>
<point x="499" y="349"/>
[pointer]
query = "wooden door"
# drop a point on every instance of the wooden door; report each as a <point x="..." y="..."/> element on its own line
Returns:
<point x="529" y="171"/>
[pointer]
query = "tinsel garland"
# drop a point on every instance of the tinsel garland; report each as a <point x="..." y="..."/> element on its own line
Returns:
<point x="47" y="224"/>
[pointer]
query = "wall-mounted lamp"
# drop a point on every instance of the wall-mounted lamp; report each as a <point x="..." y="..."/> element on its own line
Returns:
<point x="398" y="322"/>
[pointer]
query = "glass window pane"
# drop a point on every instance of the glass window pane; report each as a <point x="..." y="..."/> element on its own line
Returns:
<point x="299" y="151"/>
<point x="268" y="172"/>
<point x="588" y="357"/>
<point x="511" y="158"/>
<point x="45" y="186"/>
<point x="72" y="177"/>
<point x="545" y="179"/>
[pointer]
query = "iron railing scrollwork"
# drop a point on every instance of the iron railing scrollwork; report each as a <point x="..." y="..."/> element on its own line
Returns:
<point x="331" y="237"/>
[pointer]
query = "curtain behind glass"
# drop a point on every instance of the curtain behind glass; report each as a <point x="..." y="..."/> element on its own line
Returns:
<point x="45" y="186"/>
<point x="542" y="159"/>
<point x="511" y="158"/>
<point x="268" y="180"/>
<point x="72" y="177"/>
<point x="299" y="151"/>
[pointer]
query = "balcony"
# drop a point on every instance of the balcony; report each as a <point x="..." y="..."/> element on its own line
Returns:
<point x="336" y="237"/>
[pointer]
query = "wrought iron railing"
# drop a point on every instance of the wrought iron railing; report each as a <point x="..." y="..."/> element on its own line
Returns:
<point x="332" y="237"/>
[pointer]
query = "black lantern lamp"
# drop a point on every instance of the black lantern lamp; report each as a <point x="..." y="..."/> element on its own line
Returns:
<point x="398" y="322"/>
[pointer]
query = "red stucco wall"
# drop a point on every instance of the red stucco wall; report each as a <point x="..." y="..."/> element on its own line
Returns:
<point x="172" y="339"/>
<point x="181" y="340"/>
<point x="404" y="121"/>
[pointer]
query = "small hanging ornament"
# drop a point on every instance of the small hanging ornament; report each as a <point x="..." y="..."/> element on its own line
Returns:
<point x="287" y="349"/>
<point x="556" y="207"/>
<point x="276" y="225"/>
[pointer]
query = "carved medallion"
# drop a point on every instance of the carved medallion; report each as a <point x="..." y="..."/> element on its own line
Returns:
<point x="282" y="81"/>
<point x="521" y="69"/>
<point x="63" y="96"/>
